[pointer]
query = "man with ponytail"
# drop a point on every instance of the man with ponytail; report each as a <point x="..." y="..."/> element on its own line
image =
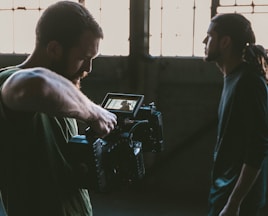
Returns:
<point x="238" y="177"/>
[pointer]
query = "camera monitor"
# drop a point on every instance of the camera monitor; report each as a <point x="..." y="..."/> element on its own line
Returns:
<point x="123" y="104"/>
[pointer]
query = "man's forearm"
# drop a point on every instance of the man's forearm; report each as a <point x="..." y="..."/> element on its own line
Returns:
<point x="41" y="90"/>
<point x="44" y="91"/>
<point x="245" y="182"/>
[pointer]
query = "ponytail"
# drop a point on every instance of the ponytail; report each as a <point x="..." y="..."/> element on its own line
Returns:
<point x="256" y="56"/>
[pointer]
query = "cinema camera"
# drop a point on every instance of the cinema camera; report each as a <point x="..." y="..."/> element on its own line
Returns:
<point x="104" y="164"/>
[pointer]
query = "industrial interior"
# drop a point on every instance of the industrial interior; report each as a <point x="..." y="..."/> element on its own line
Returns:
<point x="186" y="90"/>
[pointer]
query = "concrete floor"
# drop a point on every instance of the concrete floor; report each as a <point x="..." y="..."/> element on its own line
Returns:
<point x="151" y="200"/>
<point x="142" y="202"/>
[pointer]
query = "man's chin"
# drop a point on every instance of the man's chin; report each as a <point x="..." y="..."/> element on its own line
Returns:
<point x="77" y="80"/>
<point x="205" y="58"/>
<point x="209" y="59"/>
<point x="77" y="83"/>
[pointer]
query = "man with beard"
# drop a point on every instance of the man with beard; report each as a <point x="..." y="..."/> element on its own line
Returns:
<point x="39" y="105"/>
<point x="239" y="173"/>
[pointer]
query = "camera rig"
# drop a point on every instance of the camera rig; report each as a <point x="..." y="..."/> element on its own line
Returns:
<point x="104" y="164"/>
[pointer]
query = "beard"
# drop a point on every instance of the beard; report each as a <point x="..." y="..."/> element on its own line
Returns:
<point x="76" y="79"/>
<point x="212" y="56"/>
<point x="61" y="69"/>
<point x="213" y="53"/>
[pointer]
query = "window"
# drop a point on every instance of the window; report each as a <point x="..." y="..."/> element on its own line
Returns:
<point x="178" y="27"/>
<point x="113" y="17"/>
<point x="18" y="19"/>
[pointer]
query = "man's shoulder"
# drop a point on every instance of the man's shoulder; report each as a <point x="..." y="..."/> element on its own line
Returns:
<point x="6" y="72"/>
<point x="253" y="74"/>
<point x="252" y="81"/>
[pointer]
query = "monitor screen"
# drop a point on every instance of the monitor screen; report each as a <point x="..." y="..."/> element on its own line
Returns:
<point x="122" y="103"/>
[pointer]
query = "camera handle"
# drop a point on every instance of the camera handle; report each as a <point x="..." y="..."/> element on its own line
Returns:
<point x="91" y="134"/>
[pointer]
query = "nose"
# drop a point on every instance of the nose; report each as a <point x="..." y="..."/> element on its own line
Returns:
<point x="205" y="40"/>
<point x="87" y="66"/>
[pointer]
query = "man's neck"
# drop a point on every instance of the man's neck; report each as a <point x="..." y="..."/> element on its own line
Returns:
<point x="229" y="65"/>
<point x="36" y="59"/>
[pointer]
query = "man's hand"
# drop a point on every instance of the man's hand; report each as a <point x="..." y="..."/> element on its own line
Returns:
<point x="104" y="123"/>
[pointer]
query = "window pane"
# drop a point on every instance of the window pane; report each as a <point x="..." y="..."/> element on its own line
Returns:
<point x="261" y="9"/>
<point x="46" y="3"/>
<point x="227" y="2"/>
<point x="174" y="34"/>
<point x="260" y="2"/>
<point x="6" y="4"/>
<point x="176" y="40"/>
<point x="26" y="3"/>
<point x="177" y="27"/>
<point x="115" y="25"/>
<point x="155" y="47"/>
<point x="24" y="30"/>
<point x="202" y="20"/>
<point x="6" y="36"/>
<point x="94" y="6"/>
<point x="243" y="2"/>
<point x="237" y="9"/>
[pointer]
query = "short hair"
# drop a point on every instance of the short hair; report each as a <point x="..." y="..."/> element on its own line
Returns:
<point x="65" y="22"/>
<point x="237" y="27"/>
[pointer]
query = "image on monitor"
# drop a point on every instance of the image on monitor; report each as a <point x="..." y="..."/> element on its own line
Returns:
<point x="122" y="103"/>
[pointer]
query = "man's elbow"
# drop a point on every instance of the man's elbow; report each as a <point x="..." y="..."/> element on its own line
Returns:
<point x="22" y="90"/>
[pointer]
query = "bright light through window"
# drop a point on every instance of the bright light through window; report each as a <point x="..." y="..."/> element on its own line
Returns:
<point x="18" y="19"/>
<point x="177" y="27"/>
<point x="113" y="16"/>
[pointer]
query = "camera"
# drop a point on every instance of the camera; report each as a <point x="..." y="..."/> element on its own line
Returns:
<point x="104" y="164"/>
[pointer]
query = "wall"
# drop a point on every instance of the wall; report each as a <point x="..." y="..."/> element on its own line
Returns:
<point x="186" y="91"/>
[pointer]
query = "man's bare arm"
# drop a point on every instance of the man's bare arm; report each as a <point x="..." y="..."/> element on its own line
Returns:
<point x="243" y="185"/>
<point x="41" y="90"/>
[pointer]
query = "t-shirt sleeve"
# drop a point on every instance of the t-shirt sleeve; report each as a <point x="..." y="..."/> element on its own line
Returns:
<point x="2" y="106"/>
<point x="256" y="112"/>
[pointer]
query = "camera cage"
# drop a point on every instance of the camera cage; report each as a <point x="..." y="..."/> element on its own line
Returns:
<point x="117" y="159"/>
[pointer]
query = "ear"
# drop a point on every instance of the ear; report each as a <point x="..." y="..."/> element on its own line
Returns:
<point x="54" y="50"/>
<point x="225" y="42"/>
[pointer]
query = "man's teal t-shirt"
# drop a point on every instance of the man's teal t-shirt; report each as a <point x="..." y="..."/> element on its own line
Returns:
<point x="36" y="178"/>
